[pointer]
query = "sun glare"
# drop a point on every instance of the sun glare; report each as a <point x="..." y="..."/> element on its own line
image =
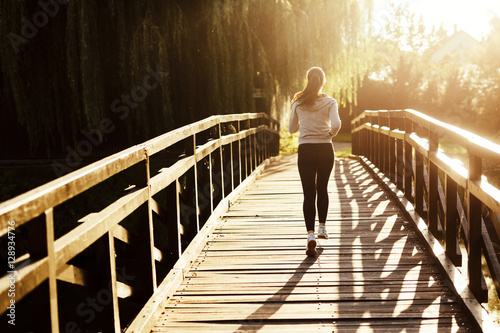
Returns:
<point x="472" y="17"/>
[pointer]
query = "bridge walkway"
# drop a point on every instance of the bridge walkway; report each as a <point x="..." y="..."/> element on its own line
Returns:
<point x="372" y="274"/>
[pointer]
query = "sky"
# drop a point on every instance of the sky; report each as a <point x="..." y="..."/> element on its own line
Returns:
<point x="472" y="16"/>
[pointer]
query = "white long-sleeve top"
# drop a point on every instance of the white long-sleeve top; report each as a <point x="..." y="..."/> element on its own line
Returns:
<point x="317" y="124"/>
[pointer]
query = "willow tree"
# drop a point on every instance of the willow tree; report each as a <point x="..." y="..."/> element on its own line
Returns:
<point x="299" y="34"/>
<point x="67" y="68"/>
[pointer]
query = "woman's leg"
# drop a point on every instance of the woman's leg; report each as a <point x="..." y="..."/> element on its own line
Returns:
<point x="307" y="163"/>
<point x="326" y="159"/>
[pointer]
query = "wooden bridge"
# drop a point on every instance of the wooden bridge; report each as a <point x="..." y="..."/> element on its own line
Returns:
<point x="208" y="235"/>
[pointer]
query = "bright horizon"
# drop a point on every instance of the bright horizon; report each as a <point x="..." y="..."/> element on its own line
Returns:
<point x="472" y="17"/>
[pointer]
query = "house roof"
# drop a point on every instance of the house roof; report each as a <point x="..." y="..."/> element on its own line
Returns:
<point x="459" y="44"/>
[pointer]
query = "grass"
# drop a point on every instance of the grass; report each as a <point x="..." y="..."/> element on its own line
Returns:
<point x="289" y="143"/>
<point x="343" y="153"/>
<point x="343" y="137"/>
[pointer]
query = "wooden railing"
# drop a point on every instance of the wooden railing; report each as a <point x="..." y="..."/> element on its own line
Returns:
<point x="404" y="146"/>
<point x="102" y="272"/>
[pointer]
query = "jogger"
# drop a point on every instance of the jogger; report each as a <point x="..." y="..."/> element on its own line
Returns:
<point x="317" y="117"/>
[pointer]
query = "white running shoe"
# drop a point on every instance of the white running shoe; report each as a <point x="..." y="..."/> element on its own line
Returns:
<point x="322" y="232"/>
<point x="311" y="245"/>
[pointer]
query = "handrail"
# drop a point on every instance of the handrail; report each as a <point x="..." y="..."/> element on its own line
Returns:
<point x="212" y="157"/>
<point x="403" y="146"/>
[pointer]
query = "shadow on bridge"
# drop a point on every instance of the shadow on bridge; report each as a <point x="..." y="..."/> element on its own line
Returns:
<point x="256" y="320"/>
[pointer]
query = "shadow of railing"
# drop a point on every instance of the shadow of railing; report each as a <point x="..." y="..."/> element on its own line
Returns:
<point x="383" y="269"/>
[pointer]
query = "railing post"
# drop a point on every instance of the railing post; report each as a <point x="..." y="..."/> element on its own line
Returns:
<point x="54" y="310"/>
<point x="364" y="148"/>
<point x="432" y="190"/>
<point x="387" y="145"/>
<point x="400" y="164"/>
<point x="240" y="156"/>
<point x="41" y="241"/>
<point x="450" y="225"/>
<point x="366" y="139"/>
<point x="227" y="168"/>
<point x="189" y="192"/>
<point x="419" y="184"/>
<point x="384" y="162"/>
<point x="211" y="181"/>
<point x="269" y="139"/>
<point x="244" y="147"/>
<point x="236" y="156"/>
<point x="362" y="140"/>
<point x="358" y="144"/>
<point x="220" y="166"/>
<point x="250" y="153"/>
<point x="392" y="149"/>
<point x="474" y="228"/>
<point x="180" y="229"/>
<point x="261" y="142"/>
<point x="231" y="154"/>
<point x="145" y="229"/>
<point x="269" y="143"/>
<point x="277" y="139"/>
<point x="196" y="199"/>
<point x="113" y="282"/>
<point x="265" y="145"/>
<point x="41" y="308"/>
<point x="380" y="144"/>
<point x="255" y="153"/>
<point x="109" y="320"/>
<point x="172" y="197"/>
<point x="354" y="137"/>
<point x="373" y="146"/>
<point x="378" y="150"/>
<point x="371" y="141"/>
<point x="408" y="169"/>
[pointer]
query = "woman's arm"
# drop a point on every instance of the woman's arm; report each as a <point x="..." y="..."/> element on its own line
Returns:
<point x="293" y="125"/>
<point x="336" y="123"/>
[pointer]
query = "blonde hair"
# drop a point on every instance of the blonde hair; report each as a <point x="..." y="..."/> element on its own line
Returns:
<point x="315" y="81"/>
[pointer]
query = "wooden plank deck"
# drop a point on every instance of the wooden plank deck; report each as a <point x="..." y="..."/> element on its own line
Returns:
<point x="371" y="275"/>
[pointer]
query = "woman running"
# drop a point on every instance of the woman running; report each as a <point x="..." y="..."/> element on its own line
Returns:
<point x="316" y="116"/>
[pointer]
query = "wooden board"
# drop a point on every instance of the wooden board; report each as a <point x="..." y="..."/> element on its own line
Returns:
<point x="370" y="275"/>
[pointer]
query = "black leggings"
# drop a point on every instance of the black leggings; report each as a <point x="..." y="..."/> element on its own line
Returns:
<point x="315" y="163"/>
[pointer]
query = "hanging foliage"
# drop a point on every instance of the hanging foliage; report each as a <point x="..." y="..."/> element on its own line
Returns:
<point x="116" y="73"/>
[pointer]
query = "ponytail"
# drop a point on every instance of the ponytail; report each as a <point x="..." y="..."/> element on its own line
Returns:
<point x="315" y="81"/>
